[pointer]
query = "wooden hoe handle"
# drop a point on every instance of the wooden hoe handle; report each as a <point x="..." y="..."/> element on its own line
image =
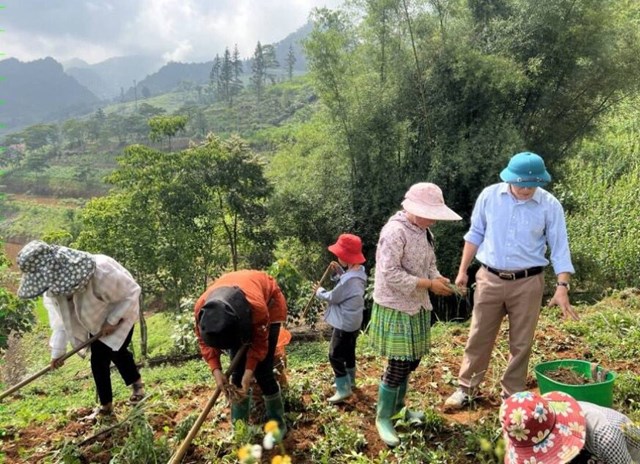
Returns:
<point x="18" y="386"/>
<point x="177" y="457"/>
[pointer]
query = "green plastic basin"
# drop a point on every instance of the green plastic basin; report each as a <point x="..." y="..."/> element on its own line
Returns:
<point x="600" y="393"/>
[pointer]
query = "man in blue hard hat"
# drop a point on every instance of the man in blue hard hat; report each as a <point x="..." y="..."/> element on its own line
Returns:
<point x="512" y="224"/>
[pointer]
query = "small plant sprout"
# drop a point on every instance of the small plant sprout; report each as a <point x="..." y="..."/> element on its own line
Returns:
<point x="457" y="291"/>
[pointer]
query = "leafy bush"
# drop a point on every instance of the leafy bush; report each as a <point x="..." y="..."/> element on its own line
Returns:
<point x="296" y="289"/>
<point x="141" y="446"/>
<point x="16" y="315"/>
<point x="184" y="336"/>
<point x="601" y="193"/>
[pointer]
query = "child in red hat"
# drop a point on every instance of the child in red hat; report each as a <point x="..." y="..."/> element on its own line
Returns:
<point x="344" y="312"/>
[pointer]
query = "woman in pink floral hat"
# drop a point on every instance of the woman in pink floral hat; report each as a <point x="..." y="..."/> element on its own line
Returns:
<point x="554" y="428"/>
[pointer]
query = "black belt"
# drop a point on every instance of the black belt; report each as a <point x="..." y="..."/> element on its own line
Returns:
<point x="514" y="275"/>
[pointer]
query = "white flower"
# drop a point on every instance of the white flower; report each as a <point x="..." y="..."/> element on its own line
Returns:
<point x="518" y="416"/>
<point x="518" y="432"/>
<point x="256" y="452"/>
<point x="564" y="430"/>
<point x="268" y="441"/>
<point x="568" y="452"/>
<point x="540" y="413"/>
<point x="521" y="397"/>
<point x="543" y="441"/>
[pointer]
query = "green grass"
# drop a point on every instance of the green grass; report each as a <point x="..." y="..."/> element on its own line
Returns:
<point x="170" y="102"/>
<point x="29" y="219"/>
<point x="41" y="313"/>
<point x="178" y="391"/>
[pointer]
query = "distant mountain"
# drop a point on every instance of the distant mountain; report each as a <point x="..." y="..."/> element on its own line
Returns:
<point x="75" y="63"/>
<point x="170" y="75"/>
<point x="39" y="91"/>
<point x="295" y="39"/>
<point x="107" y="78"/>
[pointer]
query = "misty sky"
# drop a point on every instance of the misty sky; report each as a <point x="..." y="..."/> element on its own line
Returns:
<point x="178" y="30"/>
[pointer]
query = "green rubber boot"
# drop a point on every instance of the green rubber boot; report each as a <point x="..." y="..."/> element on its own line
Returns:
<point x="387" y="398"/>
<point x="343" y="390"/>
<point x="414" y="417"/>
<point x="275" y="410"/>
<point x="240" y="410"/>
<point x="351" y="372"/>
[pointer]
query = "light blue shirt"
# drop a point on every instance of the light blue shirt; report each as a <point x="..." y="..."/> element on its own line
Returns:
<point x="513" y="234"/>
<point x="346" y="301"/>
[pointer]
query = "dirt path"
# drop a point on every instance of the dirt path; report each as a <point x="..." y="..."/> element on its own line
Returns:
<point x="11" y="249"/>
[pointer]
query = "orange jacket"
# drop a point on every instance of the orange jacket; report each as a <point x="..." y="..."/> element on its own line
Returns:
<point x="268" y="306"/>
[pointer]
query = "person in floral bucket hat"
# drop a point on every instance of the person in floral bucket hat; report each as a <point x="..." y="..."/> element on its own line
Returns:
<point x="548" y="429"/>
<point x="555" y="428"/>
<point x="344" y="311"/>
<point x="84" y="294"/>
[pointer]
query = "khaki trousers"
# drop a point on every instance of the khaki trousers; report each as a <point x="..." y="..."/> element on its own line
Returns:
<point x="494" y="298"/>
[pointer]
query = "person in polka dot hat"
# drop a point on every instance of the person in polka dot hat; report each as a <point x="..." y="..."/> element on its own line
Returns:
<point x="84" y="294"/>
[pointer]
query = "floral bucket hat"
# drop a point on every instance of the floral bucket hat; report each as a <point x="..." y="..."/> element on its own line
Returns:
<point x="547" y="429"/>
<point x="59" y="269"/>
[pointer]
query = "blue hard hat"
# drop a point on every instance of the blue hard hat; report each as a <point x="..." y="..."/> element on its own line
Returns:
<point x="526" y="169"/>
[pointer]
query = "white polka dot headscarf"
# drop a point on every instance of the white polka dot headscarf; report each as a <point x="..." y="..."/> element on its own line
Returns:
<point x="59" y="269"/>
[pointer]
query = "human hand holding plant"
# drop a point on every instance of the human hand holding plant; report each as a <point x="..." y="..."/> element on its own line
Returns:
<point x="441" y="286"/>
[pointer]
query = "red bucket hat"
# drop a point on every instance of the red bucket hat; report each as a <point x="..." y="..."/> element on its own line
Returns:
<point x="348" y="248"/>
<point x="547" y="429"/>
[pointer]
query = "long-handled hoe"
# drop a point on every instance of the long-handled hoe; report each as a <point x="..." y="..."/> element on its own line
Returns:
<point x="177" y="457"/>
<point x="308" y="305"/>
<point x="27" y="381"/>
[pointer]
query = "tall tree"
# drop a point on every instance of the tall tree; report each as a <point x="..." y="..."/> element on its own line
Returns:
<point x="166" y="127"/>
<point x="446" y="91"/>
<point x="238" y="70"/>
<point x="258" y="72"/>
<point x="214" y="74"/>
<point x="176" y="219"/>
<point x="291" y="61"/>
<point x="225" y="79"/>
<point x="270" y="61"/>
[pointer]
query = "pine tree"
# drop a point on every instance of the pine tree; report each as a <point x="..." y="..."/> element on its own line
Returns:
<point x="214" y="74"/>
<point x="258" y="71"/>
<point x="270" y="61"/>
<point x="236" y="63"/>
<point x="291" y="60"/>
<point x="226" y="78"/>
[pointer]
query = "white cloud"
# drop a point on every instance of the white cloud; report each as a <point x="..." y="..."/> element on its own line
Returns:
<point x="181" y="52"/>
<point x="182" y="30"/>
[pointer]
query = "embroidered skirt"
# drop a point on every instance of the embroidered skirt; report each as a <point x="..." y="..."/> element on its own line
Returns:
<point x="397" y="335"/>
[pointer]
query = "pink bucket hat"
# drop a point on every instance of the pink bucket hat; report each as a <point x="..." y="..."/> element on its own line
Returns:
<point x="547" y="429"/>
<point x="348" y="248"/>
<point x="425" y="200"/>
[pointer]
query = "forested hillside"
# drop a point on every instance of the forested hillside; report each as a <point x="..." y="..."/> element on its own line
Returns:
<point x="256" y="166"/>
<point x="40" y="90"/>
